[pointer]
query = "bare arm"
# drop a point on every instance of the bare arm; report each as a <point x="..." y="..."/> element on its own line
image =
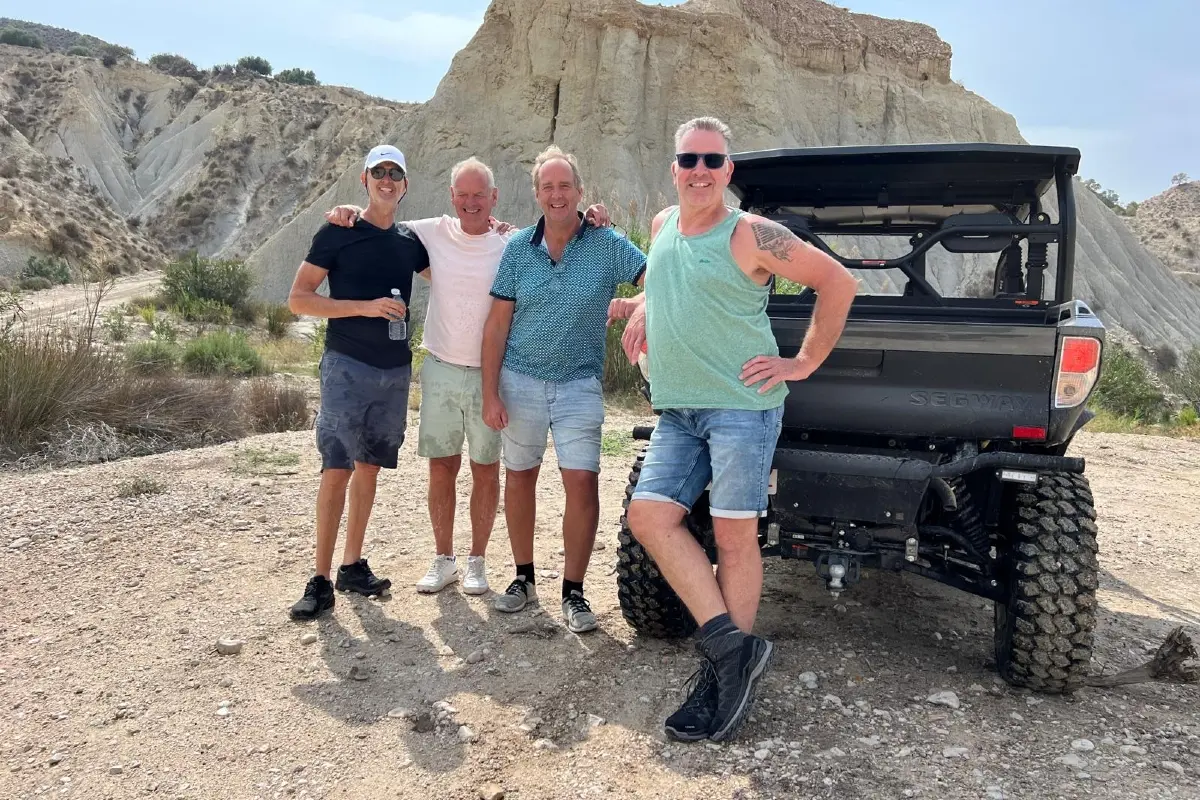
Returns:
<point x="303" y="299"/>
<point x="495" y="340"/>
<point x="764" y="248"/>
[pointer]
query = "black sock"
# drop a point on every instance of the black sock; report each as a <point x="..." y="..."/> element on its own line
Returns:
<point x="571" y="586"/>
<point x="719" y="636"/>
<point x="525" y="573"/>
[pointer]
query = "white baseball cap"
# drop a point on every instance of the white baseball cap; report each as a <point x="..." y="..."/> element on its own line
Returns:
<point x="385" y="152"/>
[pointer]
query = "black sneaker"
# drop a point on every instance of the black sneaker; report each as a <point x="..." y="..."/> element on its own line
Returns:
<point x="357" y="577"/>
<point x="318" y="596"/>
<point x="738" y="674"/>
<point x="693" y="721"/>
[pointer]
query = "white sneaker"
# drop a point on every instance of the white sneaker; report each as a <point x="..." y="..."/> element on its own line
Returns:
<point x="442" y="572"/>
<point x="476" y="580"/>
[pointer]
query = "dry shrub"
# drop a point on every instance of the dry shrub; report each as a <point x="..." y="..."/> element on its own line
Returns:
<point x="273" y="407"/>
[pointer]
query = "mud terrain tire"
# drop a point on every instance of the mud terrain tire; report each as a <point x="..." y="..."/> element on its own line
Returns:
<point x="648" y="602"/>
<point x="1043" y="634"/>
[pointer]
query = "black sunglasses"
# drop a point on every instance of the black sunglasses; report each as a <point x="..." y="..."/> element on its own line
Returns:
<point x="690" y="160"/>
<point x="395" y="173"/>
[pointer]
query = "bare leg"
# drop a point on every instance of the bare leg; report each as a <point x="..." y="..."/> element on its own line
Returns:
<point x="485" y="496"/>
<point x="331" y="500"/>
<point x="682" y="561"/>
<point x="739" y="568"/>
<point x="580" y="518"/>
<point x="362" y="497"/>
<point x="520" y="511"/>
<point x="443" y="474"/>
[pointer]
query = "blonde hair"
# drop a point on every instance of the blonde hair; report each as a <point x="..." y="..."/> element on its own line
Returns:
<point x="473" y="163"/>
<point x="550" y="154"/>
<point x="711" y="124"/>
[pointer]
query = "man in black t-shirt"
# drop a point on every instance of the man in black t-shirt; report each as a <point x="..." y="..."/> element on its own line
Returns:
<point x="365" y="369"/>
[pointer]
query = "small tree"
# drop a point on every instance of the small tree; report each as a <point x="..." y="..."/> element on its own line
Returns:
<point x="1180" y="177"/>
<point x="173" y="64"/>
<point x="79" y="50"/>
<point x="255" y="64"/>
<point x="297" y="76"/>
<point x="20" y="38"/>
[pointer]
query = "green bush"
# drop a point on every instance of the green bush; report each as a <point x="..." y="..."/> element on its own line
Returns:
<point x="35" y="284"/>
<point x="254" y="64"/>
<point x="78" y="50"/>
<point x="1125" y="387"/>
<point x="620" y="377"/>
<point x="1188" y="416"/>
<point x="175" y="65"/>
<point x="279" y="319"/>
<point x="222" y="353"/>
<point x="192" y="278"/>
<point x="300" y="77"/>
<point x="52" y="269"/>
<point x="154" y="357"/>
<point x="200" y="309"/>
<point x="116" y="326"/>
<point x="20" y="38"/>
<point x="1186" y="379"/>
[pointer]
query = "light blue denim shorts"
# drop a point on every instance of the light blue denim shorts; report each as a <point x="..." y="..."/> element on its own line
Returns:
<point x="733" y="449"/>
<point x="573" y="411"/>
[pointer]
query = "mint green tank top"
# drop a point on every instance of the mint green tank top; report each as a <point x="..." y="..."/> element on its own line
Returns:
<point x="704" y="319"/>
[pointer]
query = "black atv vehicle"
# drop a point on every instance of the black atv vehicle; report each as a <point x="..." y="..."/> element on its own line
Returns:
<point x="933" y="440"/>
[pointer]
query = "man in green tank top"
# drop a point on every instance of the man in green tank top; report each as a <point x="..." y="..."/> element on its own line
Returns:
<point x="718" y="381"/>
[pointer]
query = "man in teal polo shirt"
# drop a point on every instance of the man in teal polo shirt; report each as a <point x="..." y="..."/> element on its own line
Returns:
<point x="543" y="355"/>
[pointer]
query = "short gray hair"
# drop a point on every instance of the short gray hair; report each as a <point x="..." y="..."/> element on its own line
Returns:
<point x="711" y="124"/>
<point x="550" y="154"/>
<point x="475" y="164"/>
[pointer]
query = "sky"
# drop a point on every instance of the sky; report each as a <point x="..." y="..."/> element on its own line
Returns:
<point x="1120" y="80"/>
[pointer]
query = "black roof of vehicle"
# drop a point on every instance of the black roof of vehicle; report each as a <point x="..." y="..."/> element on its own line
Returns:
<point x="927" y="176"/>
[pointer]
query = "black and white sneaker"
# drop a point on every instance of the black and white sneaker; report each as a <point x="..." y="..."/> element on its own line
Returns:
<point x="357" y="577"/>
<point x="693" y="721"/>
<point x="738" y="674"/>
<point x="518" y="595"/>
<point x="318" y="596"/>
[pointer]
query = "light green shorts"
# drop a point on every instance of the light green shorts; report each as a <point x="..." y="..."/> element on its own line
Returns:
<point x="451" y="410"/>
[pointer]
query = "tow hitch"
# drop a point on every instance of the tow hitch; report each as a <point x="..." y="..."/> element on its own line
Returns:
<point x="839" y="570"/>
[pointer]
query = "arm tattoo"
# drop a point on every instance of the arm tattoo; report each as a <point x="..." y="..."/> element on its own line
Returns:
<point x="775" y="239"/>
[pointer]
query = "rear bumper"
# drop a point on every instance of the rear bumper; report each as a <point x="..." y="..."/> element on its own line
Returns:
<point x="879" y="489"/>
<point x="910" y="469"/>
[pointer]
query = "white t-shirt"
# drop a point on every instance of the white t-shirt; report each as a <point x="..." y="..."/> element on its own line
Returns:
<point x="462" y="268"/>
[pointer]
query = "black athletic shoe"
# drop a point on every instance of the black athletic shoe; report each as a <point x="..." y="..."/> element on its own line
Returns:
<point x="357" y="577"/>
<point x="738" y="674"/>
<point x="318" y="596"/>
<point x="693" y="721"/>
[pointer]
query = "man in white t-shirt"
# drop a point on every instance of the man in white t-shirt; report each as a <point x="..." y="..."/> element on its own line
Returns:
<point x="464" y="253"/>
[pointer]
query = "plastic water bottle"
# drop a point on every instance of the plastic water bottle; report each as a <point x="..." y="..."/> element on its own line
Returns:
<point x="397" y="328"/>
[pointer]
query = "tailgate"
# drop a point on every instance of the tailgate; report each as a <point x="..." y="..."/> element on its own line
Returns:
<point x="941" y="379"/>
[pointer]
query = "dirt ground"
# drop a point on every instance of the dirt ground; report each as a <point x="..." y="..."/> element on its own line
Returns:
<point x="111" y="686"/>
<point x="64" y="304"/>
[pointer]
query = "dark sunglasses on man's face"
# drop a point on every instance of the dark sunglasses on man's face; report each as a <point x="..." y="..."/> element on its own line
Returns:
<point x="690" y="160"/>
<point x="395" y="173"/>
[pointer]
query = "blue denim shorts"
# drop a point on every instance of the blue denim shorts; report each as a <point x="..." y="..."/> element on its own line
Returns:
<point x="364" y="412"/>
<point x="732" y="449"/>
<point x="573" y="411"/>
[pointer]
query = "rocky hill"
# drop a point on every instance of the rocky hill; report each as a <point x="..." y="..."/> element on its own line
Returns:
<point x="243" y="166"/>
<point x="168" y="163"/>
<point x="611" y="79"/>
<point x="58" y="40"/>
<point x="1169" y="226"/>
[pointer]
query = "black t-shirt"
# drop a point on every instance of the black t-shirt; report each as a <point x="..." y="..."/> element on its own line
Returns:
<point x="366" y="263"/>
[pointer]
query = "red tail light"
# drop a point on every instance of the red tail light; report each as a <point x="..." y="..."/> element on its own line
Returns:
<point x="1033" y="432"/>
<point x="1078" y="368"/>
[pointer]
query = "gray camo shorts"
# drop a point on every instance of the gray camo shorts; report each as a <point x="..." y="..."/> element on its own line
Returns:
<point x="364" y="412"/>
